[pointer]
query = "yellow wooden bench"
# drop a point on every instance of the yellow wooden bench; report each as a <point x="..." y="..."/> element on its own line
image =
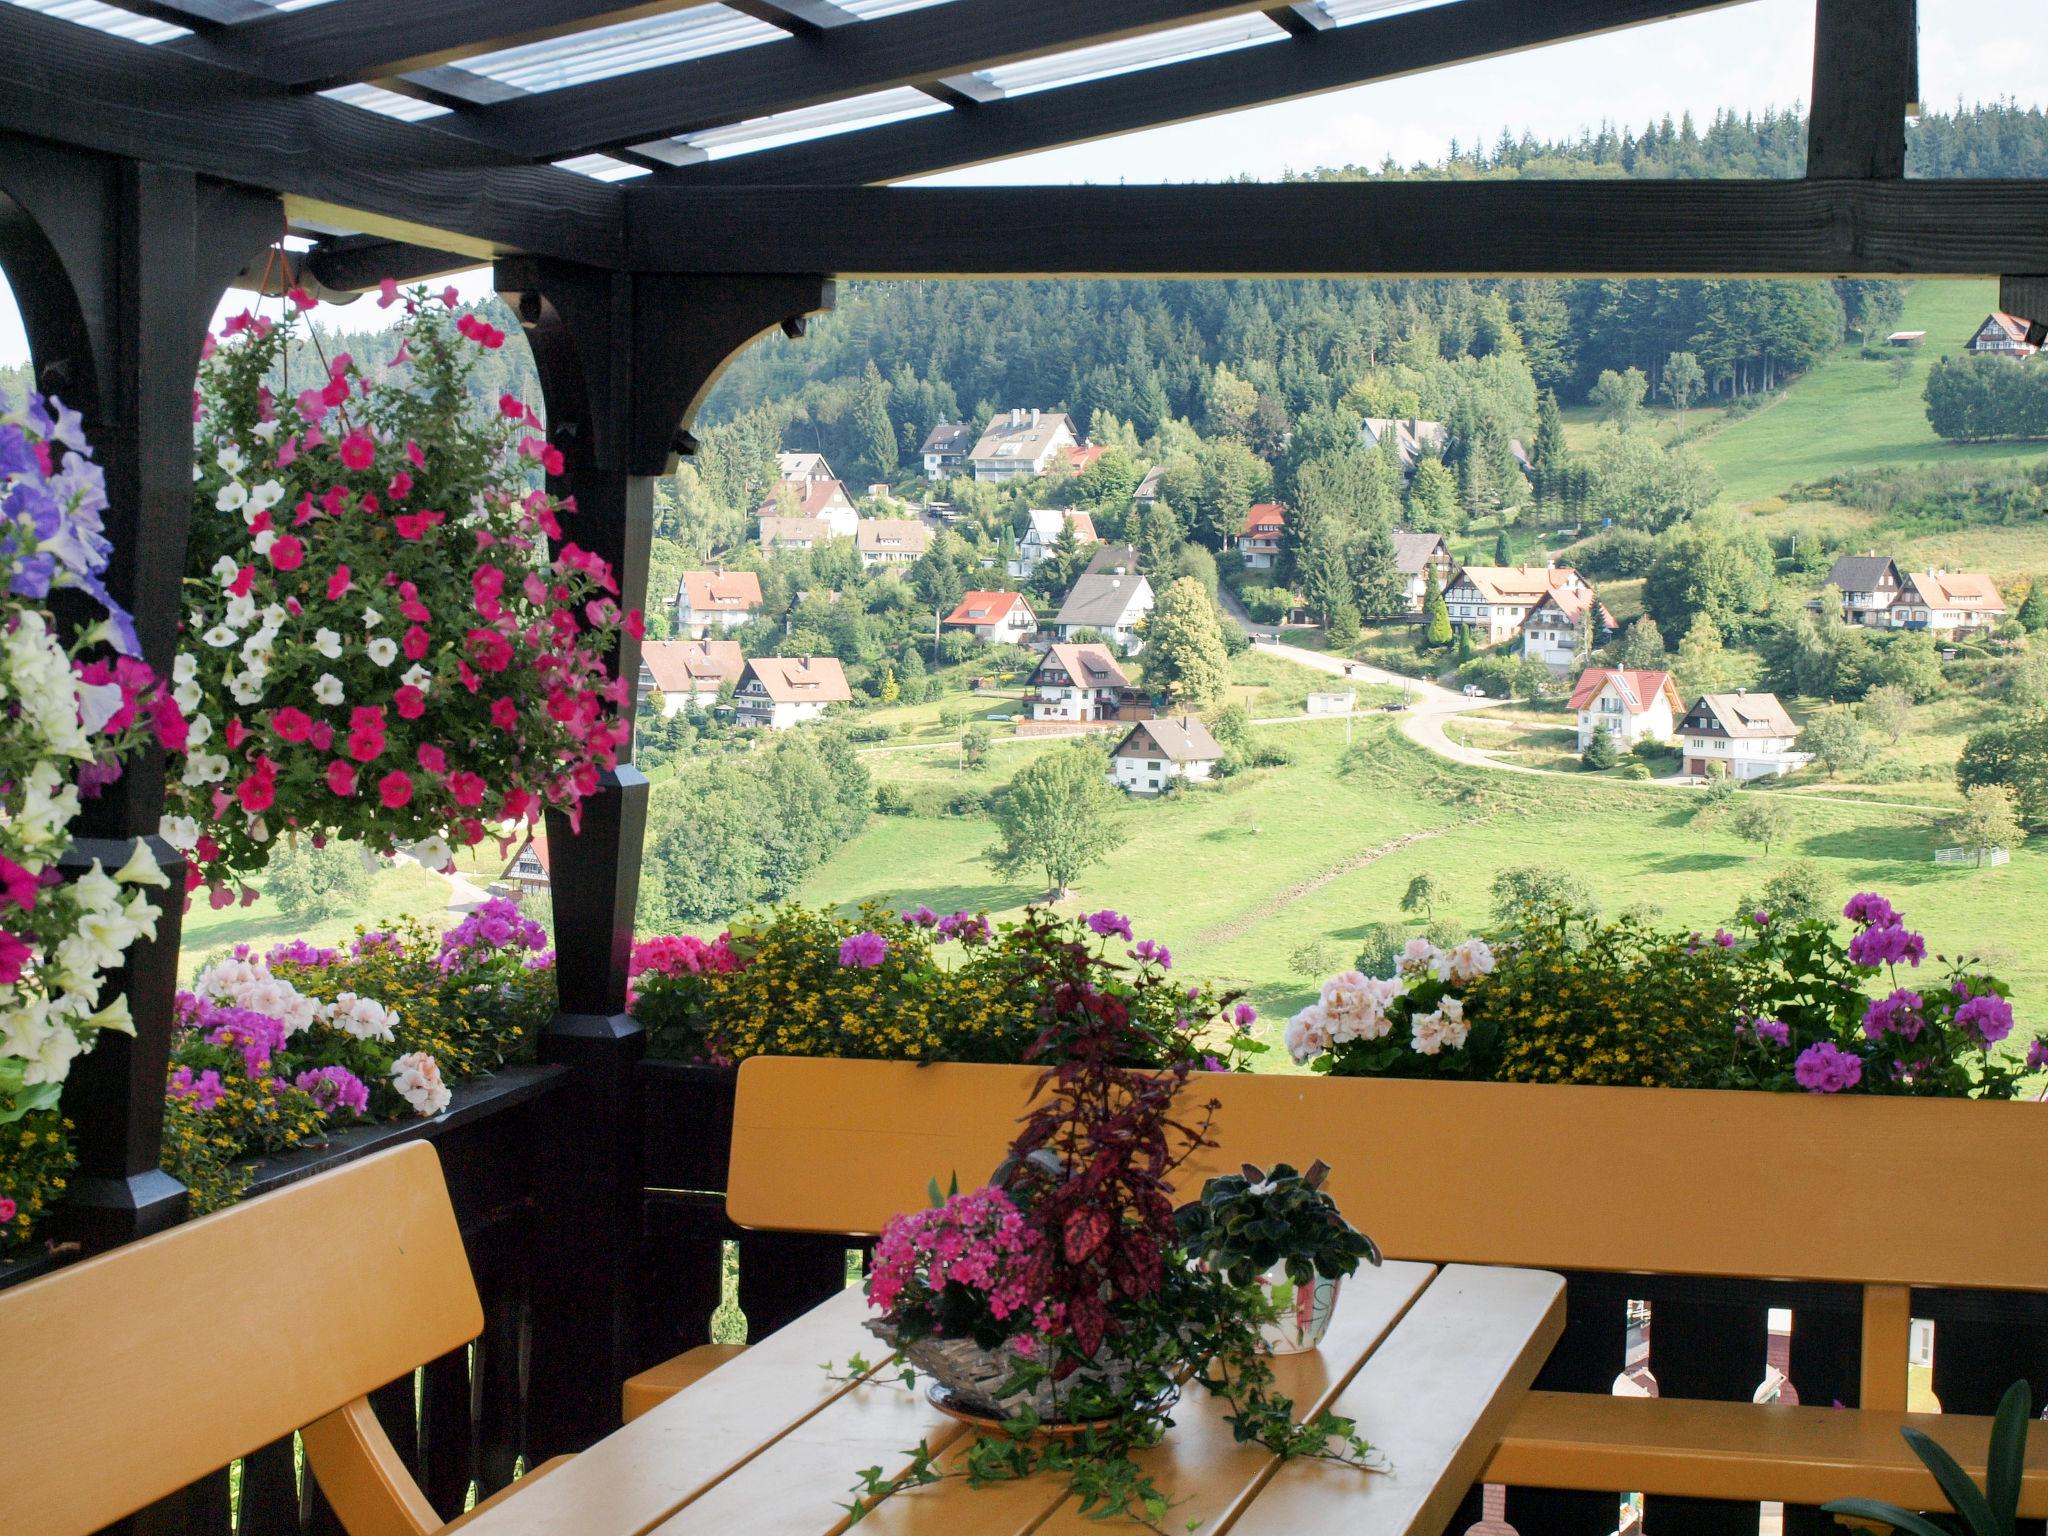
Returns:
<point x="130" y="1375"/>
<point x="1757" y="1186"/>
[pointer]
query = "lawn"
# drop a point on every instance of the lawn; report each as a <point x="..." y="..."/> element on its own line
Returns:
<point x="1238" y="879"/>
<point x="1848" y="414"/>
<point x="403" y="890"/>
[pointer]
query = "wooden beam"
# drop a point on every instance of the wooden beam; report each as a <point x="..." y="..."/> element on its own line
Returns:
<point x="1381" y="49"/>
<point x="1303" y="20"/>
<point x="199" y="15"/>
<point x="338" y="165"/>
<point x="350" y="40"/>
<point x="1865" y="74"/>
<point x="1346" y="229"/>
<point x="821" y="66"/>
<point x="795" y="16"/>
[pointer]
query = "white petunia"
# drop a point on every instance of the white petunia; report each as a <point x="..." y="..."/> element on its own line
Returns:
<point x="416" y="676"/>
<point x="246" y="687"/>
<point x="327" y="643"/>
<point x="230" y="459"/>
<point x="274" y="615"/>
<point x="198" y="728"/>
<point x="233" y="497"/>
<point x="225" y="571"/>
<point x="241" y="612"/>
<point x="328" y="690"/>
<point x="383" y="650"/>
<point x="434" y="853"/>
<point x="372" y="618"/>
<point x="141" y="869"/>
<point x="266" y="429"/>
<point x="262" y="542"/>
<point x="220" y="635"/>
<point x="205" y="768"/>
<point x="266" y="495"/>
<point x="181" y="832"/>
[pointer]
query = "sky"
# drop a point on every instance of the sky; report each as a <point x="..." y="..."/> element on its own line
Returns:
<point x="1744" y="58"/>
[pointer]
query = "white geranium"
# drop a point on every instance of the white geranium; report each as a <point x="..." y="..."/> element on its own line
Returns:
<point x="363" y="1017"/>
<point x="1470" y="960"/>
<point x="1308" y="1033"/>
<point x="1444" y="1029"/>
<point x="1419" y="957"/>
<point x="250" y="984"/>
<point x="1356" y="1006"/>
<point x="417" y="1077"/>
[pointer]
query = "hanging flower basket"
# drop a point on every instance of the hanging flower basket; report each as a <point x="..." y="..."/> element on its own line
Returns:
<point x="391" y="636"/>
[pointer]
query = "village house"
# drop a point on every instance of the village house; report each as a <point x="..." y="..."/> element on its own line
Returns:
<point x="1414" y="554"/>
<point x="1044" y="533"/>
<point x="1021" y="443"/>
<point x="782" y="691"/>
<point x="1948" y="602"/>
<point x="1259" y="543"/>
<point x="796" y="533"/>
<point x="891" y="540"/>
<point x="1114" y="559"/>
<point x="528" y="873"/>
<point x="823" y="501"/>
<point x="1411" y="438"/>
<point x="1495" y="601"/>
<point x="1148" y="488"/>
<point x="802" y="468"/>
<point x="720" y="600"/>
<point x="1869" y="584"/>
<point x="995" y="617"/>
<point x="2003" y="335"/>
<point x="1553" y="629"/>
<point x="674" y="674"/>
<point x="1161" y="752"/>
<point x="1082" y="455"/>
<point x="1112" y="606"/>
<point x="1077" y="682"/>
<point x="1751" y="735"/>
<point x="945" y="450"/>
<point x="1629" y="705"/>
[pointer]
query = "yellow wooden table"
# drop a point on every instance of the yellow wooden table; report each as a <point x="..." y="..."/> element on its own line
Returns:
<point x="1430" y="1362"/>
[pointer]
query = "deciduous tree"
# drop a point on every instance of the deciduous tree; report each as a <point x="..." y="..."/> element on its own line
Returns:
<point x="1058" y="815"/>
<point x="1989" y="820"/>
<point x="1762" y="820"/>
<point x="1184" y="648"/>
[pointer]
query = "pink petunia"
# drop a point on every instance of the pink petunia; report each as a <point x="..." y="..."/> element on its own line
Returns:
<point x="358" y="449"/>
<point x="287" y="553"/>
<point x="467" y="788"/>
<point x="415" y="643"/>
<point x="337" y="584"/>
<point x="395" y="789"/>
<point x="291" y="724"/>
<point x="15" y="953"/>
<point x="387" y="293"/>
<point x="410" y="702"/>
<point x="341" y="777"/>
<point x="432" y="758"/>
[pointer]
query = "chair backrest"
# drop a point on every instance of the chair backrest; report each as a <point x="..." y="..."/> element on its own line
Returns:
<point x="129" y="1375"/>
<point x="1765" y="1186"/>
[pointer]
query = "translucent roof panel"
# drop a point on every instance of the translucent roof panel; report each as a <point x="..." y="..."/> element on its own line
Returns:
<point x="598" y="54"/>
<point x="1170" y="47"/>
<point x="602" y="167"/>
<point x="1342" y="11"/>
<point x="407" y="109"/>
<point x="831" y="117"/>
<point x="868" y="10"/>
<point x="106" y="18"/>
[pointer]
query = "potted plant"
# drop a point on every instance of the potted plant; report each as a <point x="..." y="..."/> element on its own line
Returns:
<point x="1279" y="1231"/>
<point x="1992" y="1510"/>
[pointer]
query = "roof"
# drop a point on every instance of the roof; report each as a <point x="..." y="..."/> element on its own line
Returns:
<point x="2012" y="325"/>
<point x="1183" y="739"/>
<point x="1411" y="435"/>
<point x="950" y="437"/>
<point x="1265" y="516"/>
<point x="800" y="679"/>
<point x="1148" y="488"/>
<point x="1092" y="666"/>
<point x="1860" y="573"/>
<point x="684" y="666"/>
<point x="1046" y="521"/>
<point x="1103" y="600"/>
<point x="537" y="840"/>
<point x="875" y="534"/>
<point x="1014" y="436"/>
<point x="812" y="497"/>
<point x="1511" y="584"/>
<point x="1957" y="589"/>
<point x="795" y="530"/>
<point x="1414" y="551"/>
<point x="987" y="608"/>
<point x="1117" y="559"/>
<point x="707" y="591"/>
<point x="1572" y="602"/>
<point x="1636" y="689"/>
<point x="1745" y="716"/>
<point x="1081" y="455"/>
<point x="802" y="466"/>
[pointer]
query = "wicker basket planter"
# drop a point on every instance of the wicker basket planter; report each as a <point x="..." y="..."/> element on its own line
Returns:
<point x="973" y="1377"/>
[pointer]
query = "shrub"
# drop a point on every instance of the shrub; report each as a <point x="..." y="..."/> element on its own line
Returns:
<point x="868" y="733"/>
<point x="892" y="800"/>
<point x="312" y="885"/>
<point x="1601" y="751"/>
<point x="1616" y="552"/>
<point x="1635" y="770"/>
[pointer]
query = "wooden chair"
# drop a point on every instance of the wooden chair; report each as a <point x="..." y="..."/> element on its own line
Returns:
<point x="133" y="1374"/>
<point x="1752" y="1185"/>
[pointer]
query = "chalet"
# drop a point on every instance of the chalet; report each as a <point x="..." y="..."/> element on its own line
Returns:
<point x="1552" y="631"/>
<point x="2003" y="335"/>
<point x="1044" y="533"/>
<point x="803" y="468"/>
<point x="1414" y="554"/>
<point x="528" y="873"/>
<point x="679" y="673"/>
<point x="796" y="533"/>
<point x="891" y="540"/>
<point x="1148" y="488"/>
<point x="717" y="600"/>
<point x="1750" y="734"/>
<point x="995" y="617"/>
<point x="1869" y="584"/>
<point x="1114" y="560"/>
<point x="1629" y="705"/>
<point x="1259" y="543"/>
<point x="1160" y="752"/>
<point x="1495" y="601"/>
<point x="1020" y="444"/>
<point x="1112" y="606"/>
<point x="817" y="500"/>
<point x="1410" y="439"/>
<point x="1077" y="682"/>
<point x="782" y="691"/>
<point x="1081" y="455"/>
<point x="1948" y="602"/>
<point x="945" y="450"/>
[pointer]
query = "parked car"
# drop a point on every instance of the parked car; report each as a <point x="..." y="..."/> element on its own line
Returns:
<point x="1474" y="691"/>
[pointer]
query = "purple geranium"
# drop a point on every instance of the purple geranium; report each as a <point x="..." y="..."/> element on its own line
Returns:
<point x="966" y="927"/>
<point x="1871" y="910"/>
<point x="1887" y="946"/>
<point x="864" y="951"/>
<point x="1110" y="924"/>
<point x="1825" y="1068"/>
<point x="1988" y="1017"/>
<point x="1772" y="1032"/>
<point x="1899" y="1014"/>
<point x="920" y="917"/>
<point x="1155" y="954"/>
<point x="201" y="1092"/>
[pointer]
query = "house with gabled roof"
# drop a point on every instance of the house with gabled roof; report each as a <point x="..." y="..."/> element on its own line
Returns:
<point x="530" y="869"/>
<point x="1259" y="540"/>
<point x="1553" y="629"/>
<point x="782" y="691"/>
<point x="1749" y="735"/>
<point x="1160" y="753"/>
<point x="1869" y="583"/>
<point x="995" y="617"/>
<point x="716" y="600"/>
<point x="1022" y="443"/>
<point x="891" y="540"/>
<point x="1043" y="534"/>
<point x="1630" y="705"/>
<point x="820" y="500"/>
<point x="1077" y="682"/>
<point x="1148" y="488"/>
<point x="797" y="534"/>
<point x="1414" y="554"/>
<point x="1495" y="601"/>
<point x="1948" y="602"/>
<point x="803" y="468"/>
<point x="1410" y="438"/>
<point x="945" y="450"/>
<point x="1113" y="559"/>
<point x="2003" y="335"/>
<point x="679" y="673"/>
<point x="1113" y="606"/>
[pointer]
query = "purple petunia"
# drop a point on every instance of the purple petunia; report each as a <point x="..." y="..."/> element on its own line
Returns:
<point x="1988" y="1017"/>
<point x="335" y="1088"/>
<point x="1110" y="924"/>
<point x="1825" y="1068"/>
<point x="1898" y="1014"/>
<point x="863" y="951"/>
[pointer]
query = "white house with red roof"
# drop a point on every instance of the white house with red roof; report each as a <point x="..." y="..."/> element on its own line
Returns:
<point x="1495" y="601"/>
<point x="1259" y="543"/>
<point x="2003" y="335"/>
<point x="1078" y="682"/>
<point x="716" y="600"/>
<point x="995" y="617"/>
<point x="1630" y="705"/>
<point x="1552" y="632"/>
<point x="823" y="501"/>
<point x="1036" y="547"/>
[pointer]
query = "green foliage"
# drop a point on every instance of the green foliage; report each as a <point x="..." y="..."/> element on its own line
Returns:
<point x="1617" y="551"/>
<point x="1759" y="819"/>
<point x="1059" y="814"/>
<point x="1798" y="893"/>
<point x="1888" y="710"/>
<point x="1978" y="397"/>
<point x="2016" y="756"/>
<point x="1184" y="653"/>
<point x="1634" y="481"/>
<point x="1601" y="752"/>
<point x="1250" y="1222"/>
<point x="316" y="884"/>
<point x="1436" y="615"/>
<point x="1837" y="740"/>
<point x="1618" y="397"/>
<point x="1682" y="382"/>
<point x="1424" y="893"/>
<point x="1526" y="891"/>
<point x="1991" y="1511"/>
<point x="1706" y="565"/>
<point x="1989" y="819"/>
<point x="2033" y="614"/>
<point x="1641" y="647"/>
<point x="974" y="746"/>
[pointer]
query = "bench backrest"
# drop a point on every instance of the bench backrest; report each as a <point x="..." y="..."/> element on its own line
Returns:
<point x="130" y="1375"/>
<point x="1766" y="1186"/>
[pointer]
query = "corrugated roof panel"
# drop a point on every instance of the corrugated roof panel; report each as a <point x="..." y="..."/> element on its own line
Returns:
<point x="601" y="167"/>
<point x="832" y="117"/>
<point x="407" y="109"/>
<point x="599" y="54"/>
<point x="1181" y="43"/>
<point x="106" y="18"/>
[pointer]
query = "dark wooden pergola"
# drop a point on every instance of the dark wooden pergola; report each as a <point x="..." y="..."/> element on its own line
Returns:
<point x="140" y="175"/>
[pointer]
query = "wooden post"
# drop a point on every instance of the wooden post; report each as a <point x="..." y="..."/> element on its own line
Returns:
<point x="625" y="360"/>
<point x="1866" y="74"/>
<point x="119" y="266"/>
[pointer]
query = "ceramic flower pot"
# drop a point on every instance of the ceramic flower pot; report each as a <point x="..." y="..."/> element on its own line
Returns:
<point x="1305" y="1311"/>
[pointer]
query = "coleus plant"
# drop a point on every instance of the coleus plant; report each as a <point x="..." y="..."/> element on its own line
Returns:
<point x="391" y="635"/>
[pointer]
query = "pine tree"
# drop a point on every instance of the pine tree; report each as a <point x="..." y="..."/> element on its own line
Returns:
<point x="1324" y="572"/>
<point x="871" y="414"/>
<point x="2033" y="614"/>
<point x="1432" y="494"/>
<point x="1547" y="456"/>
<point x="1601" y="752"/>
<point x="1500" y="548"/>
<point x="1436" y="617"/>
<point x="1376" y="574"/>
